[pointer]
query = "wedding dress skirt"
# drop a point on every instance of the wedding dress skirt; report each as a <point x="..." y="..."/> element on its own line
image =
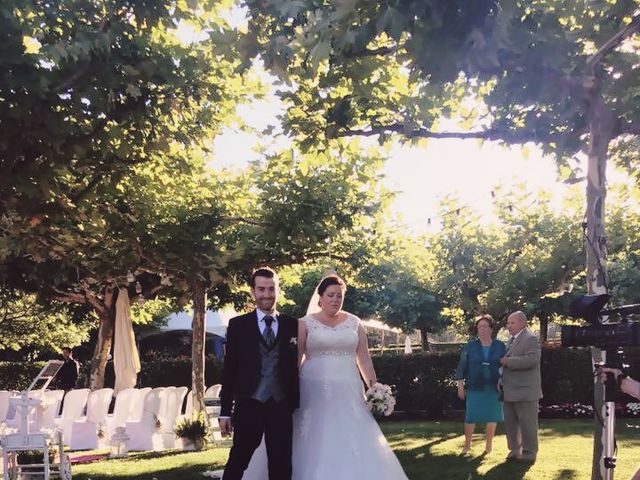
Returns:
<point x="334" y="434"/>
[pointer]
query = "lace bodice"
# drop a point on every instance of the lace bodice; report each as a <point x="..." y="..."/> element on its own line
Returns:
<point x="323" y="340"/>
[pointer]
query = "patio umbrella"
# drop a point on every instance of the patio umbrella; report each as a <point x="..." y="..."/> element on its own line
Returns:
<point x="407" y="345"/>
<point x="126" y="361"/>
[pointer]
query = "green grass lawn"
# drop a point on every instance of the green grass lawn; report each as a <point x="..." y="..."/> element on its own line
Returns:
<point x="427" y="450"/>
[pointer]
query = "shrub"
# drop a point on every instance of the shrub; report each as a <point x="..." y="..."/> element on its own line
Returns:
<point x="18" y="375"/>
<point x="164" y="373"/>
<point x="193" y="428"/>
<point x="423" y="382"/>
<point x="159" y="373"/>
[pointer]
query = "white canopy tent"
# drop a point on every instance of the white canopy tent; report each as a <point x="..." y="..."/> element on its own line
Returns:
<point x="384" y="333"/>
<point x="378" y="325"/>
<point x="216" y="321"/>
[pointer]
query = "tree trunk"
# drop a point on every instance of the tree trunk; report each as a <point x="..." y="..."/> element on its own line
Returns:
<point x="106" y="316"/>
<point x="601" y="131"/>
<point x="198" y="327"/>
<point x="544" y="326"/>
<point x="424" y="339"/>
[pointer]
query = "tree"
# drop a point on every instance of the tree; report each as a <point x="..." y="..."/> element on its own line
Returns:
<point x="395" y="279"/>
<point x="528" y="256"/>
<point x="33" y="324"/>
<point x="91" y="91"/>
<point x="624" y="246"/>
<point x="388" y="276"/>
<point x="561" y="74"/>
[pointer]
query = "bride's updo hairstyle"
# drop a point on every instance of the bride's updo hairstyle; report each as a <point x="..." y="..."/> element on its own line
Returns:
<point x="331" y="280"/>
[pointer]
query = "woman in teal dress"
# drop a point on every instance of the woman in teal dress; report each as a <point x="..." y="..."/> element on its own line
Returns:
<point x="477" y="378"/>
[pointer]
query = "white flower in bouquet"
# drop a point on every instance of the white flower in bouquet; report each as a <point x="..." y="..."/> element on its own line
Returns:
<point x="380" y="399"/>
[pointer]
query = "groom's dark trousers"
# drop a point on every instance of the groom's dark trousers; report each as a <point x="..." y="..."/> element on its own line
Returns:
<point x="250" y="420"/>
<point x="259" y="393"/>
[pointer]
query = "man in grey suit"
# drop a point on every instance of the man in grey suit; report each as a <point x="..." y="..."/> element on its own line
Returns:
<point x="522" y="389"/>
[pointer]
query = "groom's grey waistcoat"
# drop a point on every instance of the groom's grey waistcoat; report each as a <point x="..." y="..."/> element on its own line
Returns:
<point x="242" y="369"/>
<point x="269" y="386"/>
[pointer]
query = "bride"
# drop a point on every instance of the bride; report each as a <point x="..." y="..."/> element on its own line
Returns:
<point x="334" y="434"/>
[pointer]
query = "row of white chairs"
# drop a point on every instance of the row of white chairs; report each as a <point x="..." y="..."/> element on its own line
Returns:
<point x="148" y="415"/>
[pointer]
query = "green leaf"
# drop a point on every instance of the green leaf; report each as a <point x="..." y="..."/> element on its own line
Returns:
<point x="319" y="53"/>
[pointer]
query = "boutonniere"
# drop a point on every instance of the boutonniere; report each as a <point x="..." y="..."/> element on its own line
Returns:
<point x="293" y="341"/>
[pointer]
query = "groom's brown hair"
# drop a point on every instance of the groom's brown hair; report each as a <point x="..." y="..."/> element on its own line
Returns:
<point x="262" y="272"/>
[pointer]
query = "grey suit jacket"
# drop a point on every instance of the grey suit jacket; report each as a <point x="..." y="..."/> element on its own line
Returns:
<point x="521" y="378"/>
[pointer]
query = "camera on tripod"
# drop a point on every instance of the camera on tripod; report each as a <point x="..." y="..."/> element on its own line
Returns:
<point x="602" y="335"/>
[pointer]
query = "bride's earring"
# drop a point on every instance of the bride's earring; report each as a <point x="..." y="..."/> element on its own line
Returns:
<point x="319" y="303"/>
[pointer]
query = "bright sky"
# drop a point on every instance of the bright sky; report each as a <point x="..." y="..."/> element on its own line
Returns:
<point x="421" y="177"/>
<point x="466" y="169"/>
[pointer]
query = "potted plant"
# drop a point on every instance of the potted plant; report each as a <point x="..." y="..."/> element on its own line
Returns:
<point x="193" y="431"/>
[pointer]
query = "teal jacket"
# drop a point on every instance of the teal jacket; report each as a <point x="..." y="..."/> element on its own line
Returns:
<point x="472" y="365"/>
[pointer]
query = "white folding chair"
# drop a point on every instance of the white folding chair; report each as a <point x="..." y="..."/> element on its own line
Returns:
<point x="51" y="400"/>
<point x="75" y="402"/>
<point x="213" y="391"/>
<point x="89" y="432"/>
<point x="144" y="434"/>
<point x="172" y="411"/>
<point x="6" y="411"/>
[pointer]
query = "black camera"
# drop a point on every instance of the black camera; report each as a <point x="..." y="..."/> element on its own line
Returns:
<point x="598" y="334"/>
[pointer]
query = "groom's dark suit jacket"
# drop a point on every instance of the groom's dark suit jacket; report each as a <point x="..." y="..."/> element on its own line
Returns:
<point x="242" y="361"/>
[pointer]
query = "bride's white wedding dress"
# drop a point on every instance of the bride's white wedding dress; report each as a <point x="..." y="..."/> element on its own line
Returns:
<point x="334" y="434"/>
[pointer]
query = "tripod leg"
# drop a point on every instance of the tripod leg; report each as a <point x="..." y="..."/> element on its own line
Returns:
<point x="609" y="444"/>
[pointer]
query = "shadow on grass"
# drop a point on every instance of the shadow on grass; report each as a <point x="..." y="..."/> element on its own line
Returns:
<point x="567" y="474"/>
<point x="181" y="473"/>
<point x="421" y="463"/>
<point x="165" y="465"/>
<point x="510" y="470"/>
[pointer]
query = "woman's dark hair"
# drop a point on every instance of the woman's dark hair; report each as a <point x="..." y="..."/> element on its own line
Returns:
<point x="331" y="280"/>
<point x="487" y="318"/>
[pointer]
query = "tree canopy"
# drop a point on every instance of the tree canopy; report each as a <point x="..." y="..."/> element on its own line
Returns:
<point x="362" y="68"/>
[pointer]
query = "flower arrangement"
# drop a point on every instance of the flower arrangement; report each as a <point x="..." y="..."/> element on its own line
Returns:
<point x="157" y="422"/>
<point x="380" y="399"/>
<point x="632" y="409"/>
<point x="567" y="410"/>
<point x="194" y="429"/>
<point x="101" y="431"/>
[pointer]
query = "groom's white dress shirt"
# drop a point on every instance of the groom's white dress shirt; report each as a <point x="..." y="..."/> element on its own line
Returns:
<point x="262" y="324"/>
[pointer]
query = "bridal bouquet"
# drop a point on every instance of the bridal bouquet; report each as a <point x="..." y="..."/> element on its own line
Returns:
<point x="380" y="399"/>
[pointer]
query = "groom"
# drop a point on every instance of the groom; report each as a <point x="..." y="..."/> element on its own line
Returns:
<point x="260" y="382"/>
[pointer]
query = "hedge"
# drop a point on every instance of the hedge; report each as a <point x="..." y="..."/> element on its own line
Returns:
<point x="423" y="381"/>
<point x="158" y="373"/>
